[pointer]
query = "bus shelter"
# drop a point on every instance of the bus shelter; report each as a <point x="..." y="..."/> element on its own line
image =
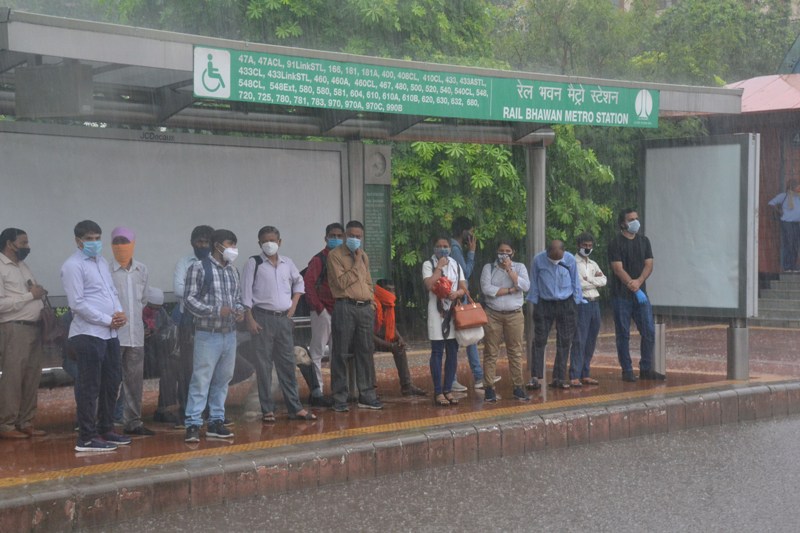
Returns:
<point x="95" y="104"/>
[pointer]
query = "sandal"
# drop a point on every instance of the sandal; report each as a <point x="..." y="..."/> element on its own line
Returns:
<point x="589" y="381"/>
<point x="268" y="418"/>
<point x="300" y="415"/>
<point x="450" y="398"/>
<point x="441" y="401"/>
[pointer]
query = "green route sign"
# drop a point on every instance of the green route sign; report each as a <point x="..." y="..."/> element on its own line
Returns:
<point x="360" y="87"/>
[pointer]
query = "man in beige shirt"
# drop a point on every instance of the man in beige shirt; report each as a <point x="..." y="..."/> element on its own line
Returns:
<point x="352" y="320"/>
<point x="20" y="338"/>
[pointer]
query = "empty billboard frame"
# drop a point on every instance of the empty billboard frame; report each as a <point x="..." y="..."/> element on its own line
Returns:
<point x="699" y="201"/>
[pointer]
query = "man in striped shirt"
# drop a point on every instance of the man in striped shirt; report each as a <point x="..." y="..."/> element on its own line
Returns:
<point x="213" y="296"/>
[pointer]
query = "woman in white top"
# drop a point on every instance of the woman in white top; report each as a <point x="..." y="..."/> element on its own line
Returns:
<point x="441" y="330"/>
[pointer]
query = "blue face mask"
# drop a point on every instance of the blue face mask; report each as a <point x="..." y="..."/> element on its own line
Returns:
<point x="92" y="248"/>
<point x="333" y="243"/>
<point x="353" y="244"/>
<point x="633" y="226"/>
<point x="441" y="252"/>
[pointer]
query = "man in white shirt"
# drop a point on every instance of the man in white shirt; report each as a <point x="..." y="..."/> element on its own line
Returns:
<point x="591" y="278"/>
<point x="130" y="278"/>
<point x="97" y="317"/>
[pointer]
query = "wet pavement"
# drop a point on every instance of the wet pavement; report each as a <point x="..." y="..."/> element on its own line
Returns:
<point x="740" y="477"/>
<point x="162" y="473"/>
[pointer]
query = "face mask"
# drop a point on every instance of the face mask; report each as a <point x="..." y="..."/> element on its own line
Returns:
<point x="441" y="252"/>
<point x="270" y="248"/>
<point x="123" y="253"/>
<point x="502" y="257"/>
<point x="230" y="254"/>
<point x="333" y="243"/>
<point x="353" y="244"/>
<point x="22" y="253"/>
<point x="633" y="226"/>
<point x="585" y="252"/>
<point x="201" y="253"/>
<point x="92" y="248"/>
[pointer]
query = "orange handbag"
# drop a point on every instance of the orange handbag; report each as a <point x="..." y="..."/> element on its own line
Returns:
<point x="469" y="315"/>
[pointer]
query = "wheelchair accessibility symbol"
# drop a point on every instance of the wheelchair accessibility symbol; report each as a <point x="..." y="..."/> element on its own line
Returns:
<point x="211" y="74"/>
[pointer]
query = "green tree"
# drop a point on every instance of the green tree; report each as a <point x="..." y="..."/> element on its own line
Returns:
<point x="432" y="183"/>
<point x="712" y="43"/>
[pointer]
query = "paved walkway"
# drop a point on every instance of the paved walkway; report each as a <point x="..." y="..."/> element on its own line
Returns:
<point x="40" y="476"/>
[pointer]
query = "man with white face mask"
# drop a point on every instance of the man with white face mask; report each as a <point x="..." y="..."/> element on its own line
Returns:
<point x="213" y="296"/>
<point x="588" y="325"/>
<point x="631" y="259"/>
<point x="272" y="287"/>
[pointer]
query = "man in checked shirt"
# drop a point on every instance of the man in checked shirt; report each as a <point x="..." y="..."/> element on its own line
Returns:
<point x="213" y="296"/>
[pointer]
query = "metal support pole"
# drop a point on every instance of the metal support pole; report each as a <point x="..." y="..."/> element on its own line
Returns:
<point x="535" y="165"/>
<point x="660" y="348"/>
<point x="738" y="349"/>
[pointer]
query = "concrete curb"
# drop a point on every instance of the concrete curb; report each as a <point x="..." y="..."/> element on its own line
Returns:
<point x="97" y="500"/>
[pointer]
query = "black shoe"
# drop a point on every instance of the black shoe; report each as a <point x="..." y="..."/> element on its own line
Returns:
<point x="629" y="376"/>
<point x="192" y="434"/>
<point x="533" y="384"/>
<point x="489" y="395"/>
<point x="228" y="423"/>
<point x="651" y="375"/>
<point x="320" y="401"/>
<point x="341" y="407"/>
<point x="141" y="431"/>
<point x="558" y="384"/>
<point x="413" y="390"/>
<point x="521" y="395"/>
<point x="375" y="404"/>
<point x="217" y="429"/>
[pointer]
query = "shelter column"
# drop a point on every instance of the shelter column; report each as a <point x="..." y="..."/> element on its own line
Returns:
<point x="535" y="165"/>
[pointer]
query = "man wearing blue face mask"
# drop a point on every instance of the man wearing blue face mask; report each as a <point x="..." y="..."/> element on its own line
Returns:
<point x="631" y="259"/>
<point x="97" y="317"/>
<point x="320" y="301"/>
<point x="353" y="319"/>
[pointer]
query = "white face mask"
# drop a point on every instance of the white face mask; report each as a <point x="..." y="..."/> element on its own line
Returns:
<point x="230" y="254"/>
<point x="270" y="248"/>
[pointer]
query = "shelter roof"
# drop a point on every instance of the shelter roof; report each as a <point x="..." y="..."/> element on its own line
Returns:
<point x="769" y="93"/>
<point x="145" y="77"/>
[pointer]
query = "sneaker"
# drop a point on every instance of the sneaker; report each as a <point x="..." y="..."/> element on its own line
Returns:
<point x="370" y="404"/>
<point x="651" y="375"/>
<point x="628" y="376"/>
<point x="458" y="387"/>
<point x="141" y="431"/>
<point x="228" y="423"/>
<point x="218" y="429"/>
<point x="341" y="407"/>
<point x="192" y="434"/>
<point x="533" y="384"/>
<point x="116" y="438"/>
<point x="521" y="395"/>
<point x="479" y="384"/>
<point x="489" y="395"/>
<point x="95" y="445"/>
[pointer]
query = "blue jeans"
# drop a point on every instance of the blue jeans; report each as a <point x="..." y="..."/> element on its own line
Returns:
<point x="642" y="314"/>
<point x="474" y="364"/>
<point x="214" y="358"/>
<point x="450" y="364"/>
<point x="580" y="356"/>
